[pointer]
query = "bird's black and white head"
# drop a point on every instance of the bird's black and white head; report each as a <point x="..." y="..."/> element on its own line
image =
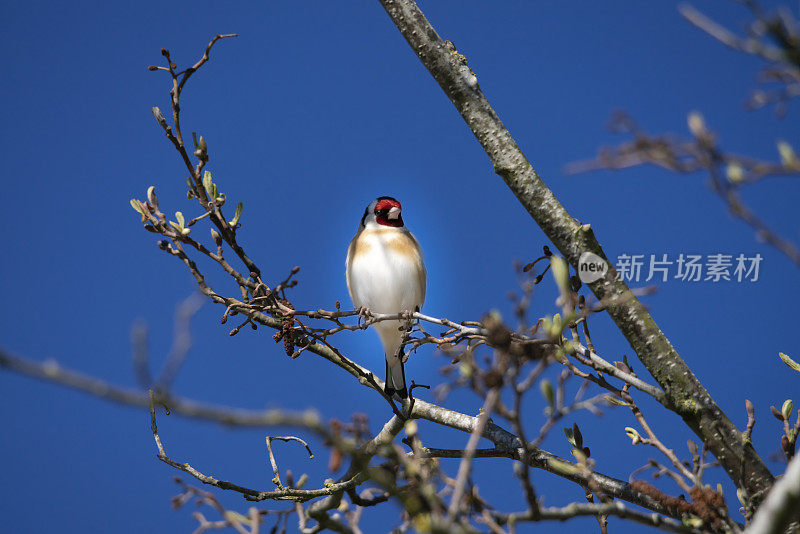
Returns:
<point x="382" y="212"/>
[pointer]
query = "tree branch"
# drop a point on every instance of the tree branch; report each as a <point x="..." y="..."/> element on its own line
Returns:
<point x="781" y="505"/>
<point x="684" y="393"/>
<point x="51" y="371"/>
<point x="611" y="508"/>
<point x="507" y="445"/>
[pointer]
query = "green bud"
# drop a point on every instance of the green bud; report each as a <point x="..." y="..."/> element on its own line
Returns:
<point x="547" y="324"/>
<point x="235" y="517"/>
<point x="692" y="521"/>
<point x="576" y="433"/>
<point x="787" y="360"/>
<point x="422" y="521"/>
<point x="697" y="124"/>
<point x="742" y="496"/>
<point x="302" y="481"/>
<point x="570" y="436"/>
<point x="494" y="316"/>
<point x="560" y="272"/>
<point x="613" y="400"/>
<point x="151" y="196"/>
<point x="465" y="370"/>
<point x="180" y="219"/>
<point x="734" y="172"/>
<point x="411" y="428"/>
<point x="216" y="237"/>
<point x="157" y="114"/>
<point x="547" y="391"/>
<point x="237" y="215"/>
<point x="208" y="184"/>
<point x="553" y="326"/>
<point x="788" y="157"/>
<point x="634" y="435"/>
<point x="786" y="409"/>
<point x="202" y="144"/>
<point x="137" y="205"/>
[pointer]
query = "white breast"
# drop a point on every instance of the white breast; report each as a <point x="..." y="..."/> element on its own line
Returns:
<point x="385" y="271"/>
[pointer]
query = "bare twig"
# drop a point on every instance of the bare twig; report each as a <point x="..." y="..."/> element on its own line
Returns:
<point x="51" y="371"/>
<point x="751" y="420"/>
<point x="273" y="463"/>
<point x="611" y="508"/>
<point x="465" y="466"/>
<point x="181" y="340"/>
<point x="653" y="440"/>
<point x="687" y="156"/>
<point x="282" y="493"/>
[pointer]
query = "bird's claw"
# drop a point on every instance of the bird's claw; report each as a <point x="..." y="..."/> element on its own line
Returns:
<point x="364" y="313"/>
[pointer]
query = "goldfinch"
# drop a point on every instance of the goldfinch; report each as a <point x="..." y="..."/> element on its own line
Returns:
<point x="386" y="274"/>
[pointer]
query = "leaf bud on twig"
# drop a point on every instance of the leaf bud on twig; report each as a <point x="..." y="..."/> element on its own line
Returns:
<point x="151" y="196"/>
<point x="634" y="435"/>
<point x="786" y="409"/>
<point x="216" y="237"/>
<point x="233" y="222"/>
<point x="547" y="392"/>
<point x="788" y="157"/>
<point x="790" y="362"/>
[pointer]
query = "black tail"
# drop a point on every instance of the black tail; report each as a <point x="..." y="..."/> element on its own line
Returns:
<point x="395" y="385"/>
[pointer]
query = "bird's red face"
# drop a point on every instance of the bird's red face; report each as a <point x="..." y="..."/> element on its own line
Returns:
<point x="387" y="212"/>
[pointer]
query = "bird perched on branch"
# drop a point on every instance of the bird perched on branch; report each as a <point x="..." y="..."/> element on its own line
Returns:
<point x="386" y="274"/>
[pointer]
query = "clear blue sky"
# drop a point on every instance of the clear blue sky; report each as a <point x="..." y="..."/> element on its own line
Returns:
<point x="312" y="112"/>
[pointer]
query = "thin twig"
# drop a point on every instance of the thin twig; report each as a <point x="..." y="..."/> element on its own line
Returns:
<point x="273" y="463"/>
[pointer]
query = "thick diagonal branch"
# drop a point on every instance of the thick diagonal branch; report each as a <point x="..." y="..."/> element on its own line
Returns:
<point x="684" y="393"/>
